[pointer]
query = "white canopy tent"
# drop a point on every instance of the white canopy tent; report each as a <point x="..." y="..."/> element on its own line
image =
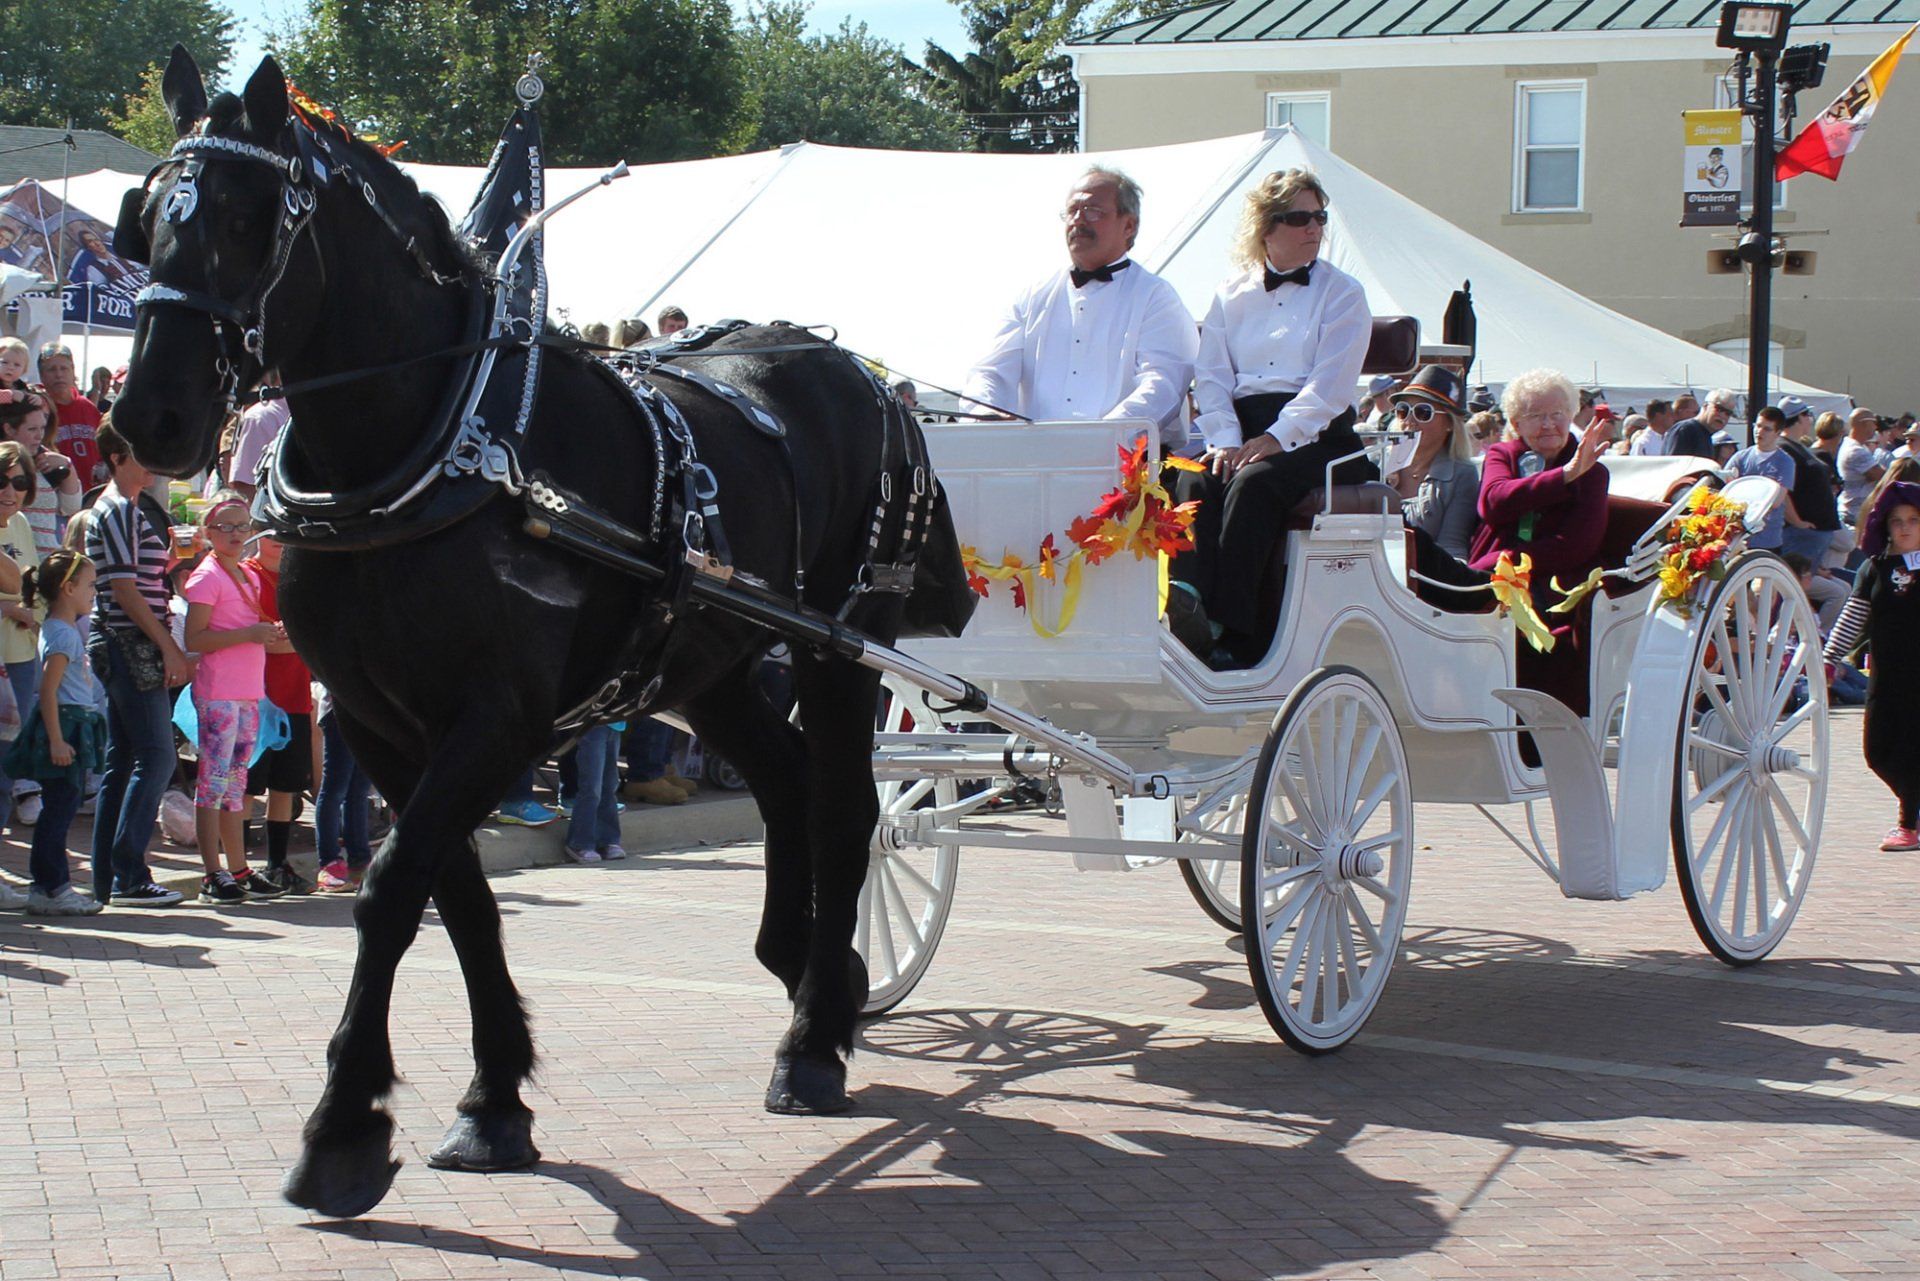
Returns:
<point x="911" y="256"/>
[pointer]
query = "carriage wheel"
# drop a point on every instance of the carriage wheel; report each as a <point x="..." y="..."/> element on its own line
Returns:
<point x="1328" y="859"/>
<point x="909" y="887"/>
<point x="1215" y="882"/>
<point x="1750" y="784"/>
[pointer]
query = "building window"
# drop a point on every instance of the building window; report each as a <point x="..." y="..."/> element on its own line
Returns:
<point x="1726" y="92"/>
<point x="1550" y="134"/>
<point x="1310" y="113"/>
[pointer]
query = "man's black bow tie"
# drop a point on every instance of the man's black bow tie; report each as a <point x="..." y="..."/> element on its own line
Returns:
<point x="1298" y="276"/>
<point x="1080" y="277"/>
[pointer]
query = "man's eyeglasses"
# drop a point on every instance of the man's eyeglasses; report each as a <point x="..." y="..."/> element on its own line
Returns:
<point x="232" y="527"/>
<point x="1301" y="217"/>
<point x="1419" y="411"/>
<point x="1086" y="213"/>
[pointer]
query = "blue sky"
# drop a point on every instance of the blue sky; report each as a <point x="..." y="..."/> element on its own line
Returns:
<point x="908" y="23"/>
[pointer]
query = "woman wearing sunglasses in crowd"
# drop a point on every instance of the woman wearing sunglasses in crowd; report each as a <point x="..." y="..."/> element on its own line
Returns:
<point x="1280" y="353"/>
<point x="1439" y="485"/>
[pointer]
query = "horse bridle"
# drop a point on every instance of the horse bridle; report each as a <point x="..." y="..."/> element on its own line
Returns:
<point x="248" y="317"/>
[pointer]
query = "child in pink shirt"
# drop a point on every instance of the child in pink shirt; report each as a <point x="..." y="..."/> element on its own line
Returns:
<point x="228" y="629"/>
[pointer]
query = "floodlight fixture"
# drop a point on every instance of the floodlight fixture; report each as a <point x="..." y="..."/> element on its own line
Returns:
<point x="1754" y="28"/>
<point x="1803" y="67"/>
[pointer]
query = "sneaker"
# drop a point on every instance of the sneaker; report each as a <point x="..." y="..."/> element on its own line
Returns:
<point x="583" y="856"/>
<point x="337" y="878"/>
<point x="68" y="902"/>
<point x="11" y="900"/>
<point x="221" y="889"/>
<point x="287" y="881"/>
<point x="654" y="791"/>
<point x="564" y="807"/>
<point x="1900" y="840"/>
<point x="526" y="814"/>
<point x="148" y="895"/>
<point x="26" y="811"/>
<point x="256" y="885"/>
<point x="612" y="853"/>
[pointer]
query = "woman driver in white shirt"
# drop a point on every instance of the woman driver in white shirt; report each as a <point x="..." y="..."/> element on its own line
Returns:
<point x="1280" y="353"/>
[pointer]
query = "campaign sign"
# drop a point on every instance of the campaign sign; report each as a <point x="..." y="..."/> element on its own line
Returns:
<point x="1710" y="187"/>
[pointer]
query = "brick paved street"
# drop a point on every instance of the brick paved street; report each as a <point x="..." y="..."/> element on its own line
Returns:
<point x="1083" y="1086"/>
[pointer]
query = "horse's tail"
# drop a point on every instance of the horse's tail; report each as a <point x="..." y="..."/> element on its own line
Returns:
<point x="940" y="602"/>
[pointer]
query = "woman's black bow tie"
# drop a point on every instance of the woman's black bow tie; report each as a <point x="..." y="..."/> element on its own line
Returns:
<point x="1298" y="276"/>
<point x="1080" y="277"/>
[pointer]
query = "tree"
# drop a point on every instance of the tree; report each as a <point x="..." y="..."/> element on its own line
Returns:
<point x="849" y="88"/>
<point x="1004" y="109"/>
<point x="144" y="120"/>
<point x="627" y="79"/>
<point x="79" y="59"/>
<point x="1035" y="32"/>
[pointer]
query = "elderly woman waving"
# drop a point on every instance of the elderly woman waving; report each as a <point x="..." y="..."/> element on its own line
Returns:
<point x="1543" y="496"/>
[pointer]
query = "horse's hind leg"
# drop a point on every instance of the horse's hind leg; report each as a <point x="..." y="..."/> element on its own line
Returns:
<point x="494" y="1130"/>
<point x="345" y="1164"/>
<point x="734" y="720"/>
<point x="837" y="701"/>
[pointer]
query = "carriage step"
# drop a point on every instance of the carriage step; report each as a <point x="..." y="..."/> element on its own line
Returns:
<point x="1582" y="817"/>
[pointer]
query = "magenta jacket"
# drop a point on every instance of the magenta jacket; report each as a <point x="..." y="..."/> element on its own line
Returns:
<point x="1570" y="520"/>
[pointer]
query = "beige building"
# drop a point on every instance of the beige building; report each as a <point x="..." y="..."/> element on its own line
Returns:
<point x="1551" y="129"/>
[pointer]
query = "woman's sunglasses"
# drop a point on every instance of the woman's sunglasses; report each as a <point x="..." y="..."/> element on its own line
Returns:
<point x="21" y="481"/>
<point x="1301" y="217"/>
<point x="1420" y="411"/>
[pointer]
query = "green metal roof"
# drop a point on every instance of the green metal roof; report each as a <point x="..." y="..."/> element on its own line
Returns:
<point x="1237" y="21"/>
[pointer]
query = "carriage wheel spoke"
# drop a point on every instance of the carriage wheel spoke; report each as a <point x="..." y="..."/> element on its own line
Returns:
<point x="1715" y="688"/>
<point x="1780" y="802"/>
<point x="1719" y="785"/>
<point x="907" y="869"/>
<point x="1290" y="970"/>
<point x="1762" y="904"/>
<point x="1696" y="739"/>
<point x="1358" y="911"/>
<point x="1378" y="842"/>
<point x="1743" y="868"/>
<point x="1349" y="955"/>
<point x="1366" y="760"/>
<point x="911" y="796"/>
<point x="1791" y="670"/>
<point x="1777" y="855"/>
<point x="1301" y="811"/>
<point x="1301" y="845"/>
<point x="1329" y="963"/>
<point x="863" y="912"/>
<point x="1343" y="758"/>
<point x="1736" y="814"/>
<point x="1379" y="891"/>
<point x="908" y="918"/>
<point x="1801" y="716"/>
<point x="1371" y="801"/>
<point x="1274" y="882"/>
<point x="1285" y="909"/>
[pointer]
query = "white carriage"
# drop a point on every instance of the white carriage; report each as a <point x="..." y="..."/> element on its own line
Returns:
<point x="1287" y="792"/>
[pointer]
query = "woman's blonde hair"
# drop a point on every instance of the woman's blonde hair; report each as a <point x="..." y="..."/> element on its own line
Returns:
<point x="1538" y="384"/>
<point x="1275" y="195"/>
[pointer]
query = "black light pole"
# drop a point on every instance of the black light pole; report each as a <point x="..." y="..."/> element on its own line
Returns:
<point x="1758" y="30"/>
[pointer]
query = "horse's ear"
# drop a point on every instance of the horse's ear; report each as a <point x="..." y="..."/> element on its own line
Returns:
<point x="183" y="91"/>
<point x="265" y="98"/>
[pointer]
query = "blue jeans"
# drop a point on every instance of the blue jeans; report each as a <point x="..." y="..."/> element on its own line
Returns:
<point x="25" y="679"/>
<point x="649" y="747"/>
<point x="596" y="817"/>
<point x="59" y="802"/>
<point x="1811" y="543"/>
<point x="342" y="803"/>
<point x="140" y="761"/>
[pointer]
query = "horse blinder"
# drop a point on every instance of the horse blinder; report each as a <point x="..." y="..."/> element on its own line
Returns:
<point x="129" y="233"/>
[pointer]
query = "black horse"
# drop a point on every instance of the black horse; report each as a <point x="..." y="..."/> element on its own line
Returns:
<point x="451" y="655"/>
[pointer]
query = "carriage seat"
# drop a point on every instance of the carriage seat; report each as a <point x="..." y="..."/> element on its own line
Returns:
<point x="1370" y="498"/>
<point x="1627" y="520"/>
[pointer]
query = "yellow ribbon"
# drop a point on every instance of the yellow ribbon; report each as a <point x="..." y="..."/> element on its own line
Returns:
<point x="1011" y="569"/>
<point x="1570" y="600"/>
<point x="1511" y="586"/>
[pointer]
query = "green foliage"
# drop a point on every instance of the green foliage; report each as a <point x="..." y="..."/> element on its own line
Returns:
<point x="81" y="58"/>
<point x="634" y="79"/>
<point x="1005" y="107"/>
<point x="849" y="88"/>
<point x="1037" y="30"/>
<point x="143" y="120"/>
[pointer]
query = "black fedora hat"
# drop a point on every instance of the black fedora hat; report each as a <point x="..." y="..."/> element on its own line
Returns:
<point x="1438" y="384"/>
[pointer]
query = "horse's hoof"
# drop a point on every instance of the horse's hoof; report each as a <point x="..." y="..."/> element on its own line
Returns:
<point x="487" y="1142"/>
<point x="343" y="1180"/>
<point x="807" y="1087"/>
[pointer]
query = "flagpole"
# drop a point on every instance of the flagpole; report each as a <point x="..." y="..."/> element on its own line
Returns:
<point x="1760" y="310"/>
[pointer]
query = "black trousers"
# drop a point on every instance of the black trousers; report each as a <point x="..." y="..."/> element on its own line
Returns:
<point x="1241" y="519"/>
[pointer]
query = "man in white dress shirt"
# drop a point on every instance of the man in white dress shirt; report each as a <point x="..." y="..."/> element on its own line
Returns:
<point x="1104" y="338"/>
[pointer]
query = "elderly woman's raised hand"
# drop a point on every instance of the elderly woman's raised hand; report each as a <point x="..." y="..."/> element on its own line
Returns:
<point x="1592" y="445"/>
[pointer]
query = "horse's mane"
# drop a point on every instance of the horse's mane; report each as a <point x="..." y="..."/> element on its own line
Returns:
<point x="400" y="193"/>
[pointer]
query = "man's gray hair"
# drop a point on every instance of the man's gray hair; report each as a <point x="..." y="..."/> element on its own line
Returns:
<point x="1723" y="398"/>
<point x="1126" y="190"/>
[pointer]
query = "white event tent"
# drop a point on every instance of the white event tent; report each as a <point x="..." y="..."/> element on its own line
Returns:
<point x="911" y="256"/>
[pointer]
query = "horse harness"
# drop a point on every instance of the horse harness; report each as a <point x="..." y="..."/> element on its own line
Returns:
<point x="462" y="462"/>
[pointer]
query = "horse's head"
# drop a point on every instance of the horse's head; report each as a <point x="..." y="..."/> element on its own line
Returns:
<point x="220" y="223"/>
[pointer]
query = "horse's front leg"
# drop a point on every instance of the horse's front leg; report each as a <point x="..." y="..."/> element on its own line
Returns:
<point x="346" y="1164"/>
<point x="837" y="701"/>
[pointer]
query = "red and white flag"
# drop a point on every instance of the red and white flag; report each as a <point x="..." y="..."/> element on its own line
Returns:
<point x="1833" y="134"/>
